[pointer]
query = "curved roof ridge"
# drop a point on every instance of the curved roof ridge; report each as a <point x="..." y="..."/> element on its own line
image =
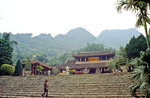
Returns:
<point x="97" y="51"/>
<point x="94" y="53"/>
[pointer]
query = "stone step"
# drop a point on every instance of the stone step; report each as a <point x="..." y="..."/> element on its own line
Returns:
<point x="71" y="96"/>
<point x="72" y="86"/>
<point x="71" y="90"/>
<point x="63" y="93"/>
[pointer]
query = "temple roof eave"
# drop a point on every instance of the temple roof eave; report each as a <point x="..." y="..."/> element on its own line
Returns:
<point x="91" y="54"/>
<point x="82" y="66"/>
<point x="40" y="63"/>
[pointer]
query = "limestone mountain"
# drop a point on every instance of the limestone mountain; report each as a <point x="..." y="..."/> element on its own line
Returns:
<point x="76" y="38"/>
<point x="117" y="38"/>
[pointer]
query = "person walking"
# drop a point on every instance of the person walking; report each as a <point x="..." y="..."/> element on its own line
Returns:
<point x="45" y="89"/>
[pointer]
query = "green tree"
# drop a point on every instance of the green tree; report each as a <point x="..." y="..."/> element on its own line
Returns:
<point x="6" y="36"/>
<point x="119" y="60"/>
<point x="141" y="10"/>
<point x="55" y="71"/>
<point x="141" y="74"/>
<point x="61" y="59"/>
<point x="122" y="52"/>
<point x="6" y="49"/>
<point x="42" y="58"/>
<point x="122" y="56"/>
<point x="28" y="64"/>
<point x="135" y="45"/>
<point x="55" y="62"/>
<point x="65" y="57"/>
<point x="39" y="68"/>
<point x="18" y="68"/>
<point x="113" y="64"/>
<point x="5" y="52"/>
<point x="93" y="47"/>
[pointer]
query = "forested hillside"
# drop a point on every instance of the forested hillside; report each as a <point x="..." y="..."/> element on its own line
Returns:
<point x="51" y="46"/>
<point x="75" y="39"/>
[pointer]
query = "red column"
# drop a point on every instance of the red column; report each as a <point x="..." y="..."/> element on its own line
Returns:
<point x="35" y="69"/>
<point x="32" y="68"/>
<point x="22" y="70"/>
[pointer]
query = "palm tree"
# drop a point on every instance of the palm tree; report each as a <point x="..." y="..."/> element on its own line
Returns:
<point x="113" y="64"/>
<point x="141" y="74"/>
<point x="147" y="1"/>
<point x="140" y="8"/>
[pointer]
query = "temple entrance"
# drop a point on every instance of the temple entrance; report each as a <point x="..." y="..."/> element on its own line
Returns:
<point x="92" y="71"/>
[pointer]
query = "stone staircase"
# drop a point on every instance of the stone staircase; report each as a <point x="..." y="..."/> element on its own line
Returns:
<point x="73" y="86"/>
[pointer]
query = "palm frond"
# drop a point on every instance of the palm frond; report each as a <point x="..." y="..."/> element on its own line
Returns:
<point x="148" y="20"/>
<point x="141" y="74"/>
<point x="137" y="74"/>
<point x="139" y="22"/>
<point x="148" y="91"/>
<point x="121" y="4"/>
<point x="143" y="86"/>
<point x="133" y="89"/>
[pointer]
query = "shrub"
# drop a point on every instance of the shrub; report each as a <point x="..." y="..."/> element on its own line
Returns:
<point x="7" y="69"/>
<point x="55" y="71"/>
<point x="72" y="71"/>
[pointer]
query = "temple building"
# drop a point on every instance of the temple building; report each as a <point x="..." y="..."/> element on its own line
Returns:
<point x="91" y="62"/>
<point x="34" y="63"/>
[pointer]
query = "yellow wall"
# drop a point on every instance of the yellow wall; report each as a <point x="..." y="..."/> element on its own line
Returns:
<point x="94" y="59"/>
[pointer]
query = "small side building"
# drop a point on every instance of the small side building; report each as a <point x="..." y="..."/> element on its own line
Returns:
<point x="91" y="62"/>
<point x="34" y="64"/>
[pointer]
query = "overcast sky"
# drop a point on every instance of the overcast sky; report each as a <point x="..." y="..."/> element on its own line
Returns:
<point x="59" y="16"/>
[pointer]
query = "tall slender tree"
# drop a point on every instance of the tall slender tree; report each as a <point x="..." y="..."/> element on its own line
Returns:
<point x="18" y="68"/>
<point x="141" y="10"/>
<point x="6" y="36"/>
<point x="6" y="49"/>
<point x="28" y="64"/>
<point x="5" y="52"/>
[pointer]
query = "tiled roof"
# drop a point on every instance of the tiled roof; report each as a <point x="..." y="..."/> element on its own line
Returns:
<point x="95" y="53"/>
<point x="40" y="63"/>
<point x="72" y="65"/>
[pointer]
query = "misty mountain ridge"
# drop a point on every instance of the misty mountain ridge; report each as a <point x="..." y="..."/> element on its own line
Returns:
<point x="117" y="38"/>
<point x="73" y="40"/>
